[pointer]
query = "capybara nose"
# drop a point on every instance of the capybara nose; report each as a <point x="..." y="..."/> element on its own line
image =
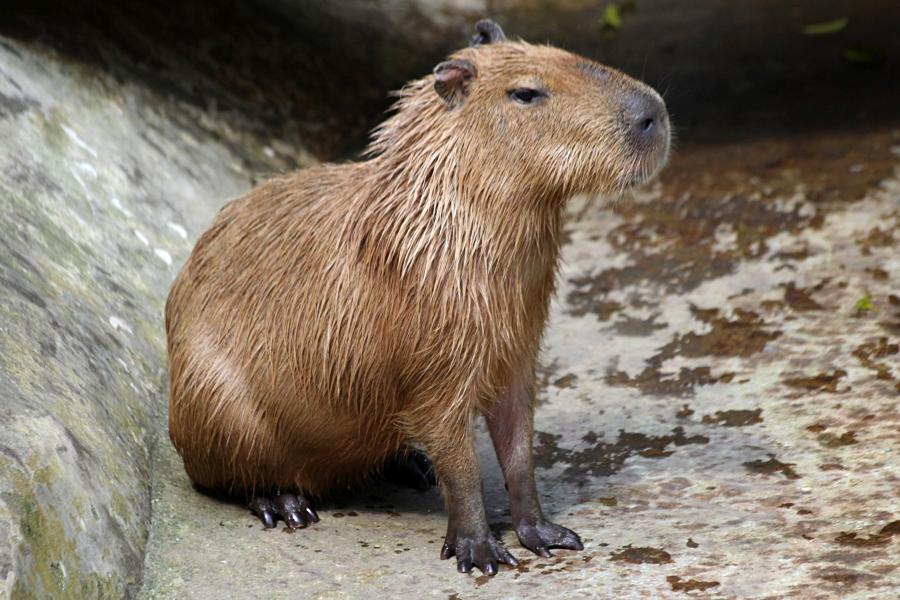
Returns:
<point x="647" y="119"/>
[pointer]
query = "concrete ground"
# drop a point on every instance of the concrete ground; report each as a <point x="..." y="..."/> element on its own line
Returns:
<point x="718" y="411"/>
<point x="719" y="388"/>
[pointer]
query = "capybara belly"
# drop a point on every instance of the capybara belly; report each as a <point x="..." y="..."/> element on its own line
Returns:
<point x="242" y="446"/>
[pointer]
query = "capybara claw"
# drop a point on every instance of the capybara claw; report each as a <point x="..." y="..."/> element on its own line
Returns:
<point x="540" y="536"/>
<point x="296" y="511"/>
<point x="268" y="519"/>
<point x="312" y="514"/>
<point x="483" y="551"/>
<point x="264" y="508"/>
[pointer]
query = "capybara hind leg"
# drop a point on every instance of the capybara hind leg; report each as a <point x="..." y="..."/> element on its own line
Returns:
<point x="296" y="511"/>
<point x="410" y="468"/>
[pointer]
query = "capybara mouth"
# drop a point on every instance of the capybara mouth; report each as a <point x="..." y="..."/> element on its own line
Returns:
<point x="648" y="164"/>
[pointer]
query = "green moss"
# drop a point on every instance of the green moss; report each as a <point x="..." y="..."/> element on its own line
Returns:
<point x="55" y="570"/>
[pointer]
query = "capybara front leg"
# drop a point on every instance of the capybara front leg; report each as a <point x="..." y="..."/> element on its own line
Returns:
<point x="511" y="423"/>
<point x="468" y="538"/>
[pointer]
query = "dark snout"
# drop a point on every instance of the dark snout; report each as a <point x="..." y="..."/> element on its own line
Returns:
<point x="647" y="132"/>
<point x="647" y="121"/>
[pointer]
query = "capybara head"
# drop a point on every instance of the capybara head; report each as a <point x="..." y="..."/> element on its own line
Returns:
<point x="536" y="117"/>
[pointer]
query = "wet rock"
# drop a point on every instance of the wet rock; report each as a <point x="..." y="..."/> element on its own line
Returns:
<point x="800" y="299"/>
<point x="641" y="555"/>
<point x="603" y="458"/>
<point x="87" y="253"/>
<point x="732" y="282"/>
<point x="881" y="538"/>
<point x="872" y="356"/>
<point x="744" y="335"/>
<point x="689" y="585"/>
<point x="823" y="382"/>
<point x="770" y="466"/>
<point x="735" y="418"/>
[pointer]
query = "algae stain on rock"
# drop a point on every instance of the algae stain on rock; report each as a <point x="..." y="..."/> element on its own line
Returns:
<point x="800" y="299"/>
<point x="822" y="382"/>
<point x="872" y="354"/>
<point x="881" y="538"/>
<point x="744" y="335"/>
<point x="640" y="555"/>
<point x="689" y="585"/>
<point x="606" y="458"/>
<point x="55" y="569"/>
<point x="772" y="466"/>
<point x="734" y="418"/>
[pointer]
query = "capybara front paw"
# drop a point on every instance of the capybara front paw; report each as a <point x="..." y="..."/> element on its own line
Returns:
<point x="539" y="536"/>
<point x="483" y="551"/>
<point x="297" y="512"/>
<point x="410" y="468"/>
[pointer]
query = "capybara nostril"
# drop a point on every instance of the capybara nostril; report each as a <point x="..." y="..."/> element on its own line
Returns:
<point x="646" y="118"/>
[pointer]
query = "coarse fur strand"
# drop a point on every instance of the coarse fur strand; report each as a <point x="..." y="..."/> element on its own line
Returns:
<point x="331" y="316"/>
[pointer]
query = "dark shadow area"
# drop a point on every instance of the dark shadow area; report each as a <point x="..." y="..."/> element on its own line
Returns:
<point x="320" y="72"/>
<point x="295" y="72"/>
<point x="375" y="495"/>
<point x="731" y="70"/>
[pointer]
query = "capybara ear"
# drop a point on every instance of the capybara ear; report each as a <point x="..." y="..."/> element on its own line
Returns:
<point x="488" y="33"/>
<point x="452" y="79"/>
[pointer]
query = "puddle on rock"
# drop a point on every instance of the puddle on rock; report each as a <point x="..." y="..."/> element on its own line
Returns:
<point x="823" y="382"/>
<point x="772" y="466"/>
<point x="881" y="538"/>
<point x="689" y="585"/>
<point x="800" y="299"/>
<point x="604" y="458"/>
<point x="734" y="418"/>
<point x="641" y="555"/>
<point x="566" y="381"/>
<point x="741" y="336"/>
<point x="868" y="353"/>
<point x="829" y="440"/>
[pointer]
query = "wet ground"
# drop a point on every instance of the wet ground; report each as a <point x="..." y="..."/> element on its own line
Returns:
<point x="719" y="392"/>
<point x="718" y="415"/>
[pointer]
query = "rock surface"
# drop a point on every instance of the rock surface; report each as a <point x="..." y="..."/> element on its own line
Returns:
<point x="103" y="188"/>
<point x="719" y="395"/>
<point x="719" y="410"/>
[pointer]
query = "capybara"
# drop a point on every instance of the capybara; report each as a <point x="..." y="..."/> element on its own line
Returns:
<point x="334" y="320"/>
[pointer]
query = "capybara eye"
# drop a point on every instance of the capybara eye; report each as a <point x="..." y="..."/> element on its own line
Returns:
<point x="525" y="95"/>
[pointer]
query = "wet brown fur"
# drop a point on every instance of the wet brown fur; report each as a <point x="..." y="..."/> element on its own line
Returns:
<point x="332" y="315"/>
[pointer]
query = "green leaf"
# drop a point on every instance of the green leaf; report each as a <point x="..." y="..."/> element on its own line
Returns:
<point x="612" y="17"/>
<point x="865" y="304"/>
<point x="861" y="54"/>
<point x="826" y="27"/>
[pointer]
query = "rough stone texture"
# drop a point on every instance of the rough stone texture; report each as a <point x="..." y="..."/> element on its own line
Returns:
<point x="719" y="394"/>
<point x="102" y="189"/>
<point x="717" y="416"/>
